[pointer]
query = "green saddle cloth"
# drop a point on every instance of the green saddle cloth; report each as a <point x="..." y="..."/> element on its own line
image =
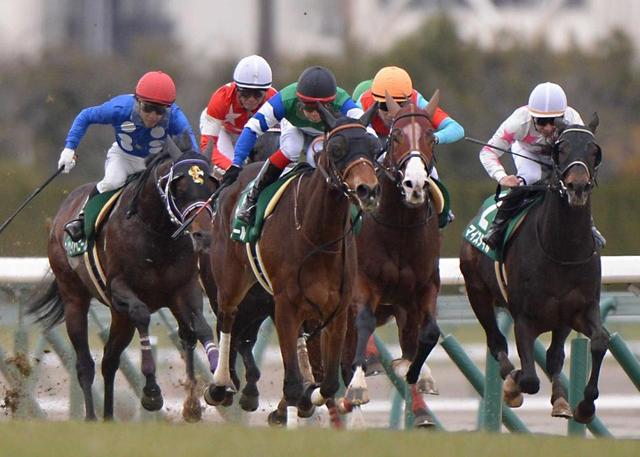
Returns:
<point x="91" y="211"/>
<point x="251" y="233"/>
<point x="479" y="226"/>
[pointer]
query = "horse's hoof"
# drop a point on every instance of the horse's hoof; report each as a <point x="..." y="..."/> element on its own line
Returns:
<point x="306" y="412"/>
<point x="249" y="403"/>
<point x="152" y="402"/>
<point x="215" y="395"/>
<point x="427" y="386"/>
<point x="228" y="399"/>
<point x="511" y="393"/>
<point x="585" y="412"/>
<point x="275" y="419"/>
<point x="561" y="409"/>
<point x="191" y="410"/>
<point x="374" y="367"/>
<point x="423" y="421"/>
<point x="357" y="396"/>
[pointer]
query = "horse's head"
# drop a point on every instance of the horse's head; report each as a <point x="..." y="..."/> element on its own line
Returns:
<point x="348" y="155"/>
<point x="185" y="185"/>
<point x="410" y="158"/>
<point x="576" y="158"/>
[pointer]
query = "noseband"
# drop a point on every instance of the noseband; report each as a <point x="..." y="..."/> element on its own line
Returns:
<point x="337" y="179"/>
<point x="163" y="184"/>
<point x="560" y="173"/>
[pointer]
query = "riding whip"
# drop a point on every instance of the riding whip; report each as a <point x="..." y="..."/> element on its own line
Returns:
<point x="497" y="148"/>
<point x="31" y="197"/>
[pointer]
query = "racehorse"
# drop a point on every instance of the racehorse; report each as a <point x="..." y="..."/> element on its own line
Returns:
<point x="143" y="269"/>
<point x="553" y="277"/>
<point x="398" y="255"/>
<point x="308" y="253"/>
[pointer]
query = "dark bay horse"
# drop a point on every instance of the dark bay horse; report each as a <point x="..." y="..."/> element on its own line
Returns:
<point x="143" y="269"/>
<point x="553" y="278"/>
<point x="398" y="255"/>
<point x="308" y="252"/>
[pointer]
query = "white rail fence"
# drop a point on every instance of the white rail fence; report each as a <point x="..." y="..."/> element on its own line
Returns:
<point x="615" y="270"/>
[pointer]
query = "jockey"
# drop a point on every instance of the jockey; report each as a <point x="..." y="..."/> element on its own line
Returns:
<point x="141" y="121"/>
<point x="294" y="107"/>
<point x="526" y="132"/>
<point x="231" y="106"/>
<point x="398" y="84"/>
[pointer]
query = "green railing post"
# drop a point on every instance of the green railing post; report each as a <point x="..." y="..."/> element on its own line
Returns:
<point x="578" y="380"/>
<point x="625" y="358"/>
<point x="396" y="410"/>
<point x="492" y="399"/>
<point x="475" y="377"/>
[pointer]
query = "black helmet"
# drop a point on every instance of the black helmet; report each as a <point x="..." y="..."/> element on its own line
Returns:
<point x="316" y="84"/>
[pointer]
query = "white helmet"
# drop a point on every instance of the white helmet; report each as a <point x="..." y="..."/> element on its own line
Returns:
<point x="253" y="72"/>
<point x="547" y="100"/>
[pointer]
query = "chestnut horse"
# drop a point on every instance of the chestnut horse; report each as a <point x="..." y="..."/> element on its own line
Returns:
<point x="308" y="252"/>
<point x="552" y="278"/>
<point x="398" y="255"/>
<point x="143" y="269"/>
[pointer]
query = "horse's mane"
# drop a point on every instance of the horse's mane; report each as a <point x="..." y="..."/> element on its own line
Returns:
<point x="139" y="179"/>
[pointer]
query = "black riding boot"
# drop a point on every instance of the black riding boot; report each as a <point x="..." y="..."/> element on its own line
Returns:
<point x="601" y="241"/>
<point x="75" y="227"/>
<point x="269" y="173"/>
<point x="494" y="236"/>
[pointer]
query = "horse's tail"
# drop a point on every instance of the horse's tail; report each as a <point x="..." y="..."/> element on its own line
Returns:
<point x="46" y="304"/>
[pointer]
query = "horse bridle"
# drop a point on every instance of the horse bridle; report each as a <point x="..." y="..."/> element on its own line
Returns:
<point x="394" y="170"/>
<point x="176" y="215"/>
<point x="559" y="173"/>
<point x="332" y="176"/>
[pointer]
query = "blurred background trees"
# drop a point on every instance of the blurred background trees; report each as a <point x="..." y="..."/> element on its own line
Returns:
<point x="479" y="88"/>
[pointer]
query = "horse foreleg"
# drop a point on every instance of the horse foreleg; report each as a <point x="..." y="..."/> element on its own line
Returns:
<point x="120" y="335"/>
<point x="249" y="400"/>
<point x="139" y="314"/>
<point x="222" y="374"/>
<point x="592" y="328"/>
<point x="357" y="392"/>
<point x="287" y="327"/>
<point x="555" y="360"/>
<point x="526" y="378"/>
<point x="429" y="335"/>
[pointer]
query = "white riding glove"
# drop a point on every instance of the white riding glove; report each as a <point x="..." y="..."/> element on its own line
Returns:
<point x="67" y="160"/>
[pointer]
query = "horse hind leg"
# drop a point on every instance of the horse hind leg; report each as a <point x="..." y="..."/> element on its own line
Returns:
<point x="250" y="398"/>
<point x="555" y="360"/>
<point x="526" y="378"/>
<point x="75" y="312"/>
<point x="586" y="409"/>
<point x="120" y="335"/>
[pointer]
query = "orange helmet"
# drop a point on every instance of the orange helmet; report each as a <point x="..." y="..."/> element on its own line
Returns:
<point x="393" y="80"/>
<point x="156" y="87"/>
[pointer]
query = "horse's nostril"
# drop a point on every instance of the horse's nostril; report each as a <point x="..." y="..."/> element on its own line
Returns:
<point x="408" y="183"/>
<point x="363" y="191"/>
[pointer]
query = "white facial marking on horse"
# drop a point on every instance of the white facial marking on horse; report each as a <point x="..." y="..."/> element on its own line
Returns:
<point x="414" y="182"/>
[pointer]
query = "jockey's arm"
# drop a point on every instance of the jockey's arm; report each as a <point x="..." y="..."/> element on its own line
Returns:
<point x="101" y="114"/>
<point x="179" y="124"/>
<point x="503" y="138"/>
<point x="269" y="114"/>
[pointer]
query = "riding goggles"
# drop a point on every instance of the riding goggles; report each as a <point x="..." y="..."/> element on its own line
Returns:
<point x="149" y="107"/>
<point x="245" y="92"/>
<point x="542" y="121"/>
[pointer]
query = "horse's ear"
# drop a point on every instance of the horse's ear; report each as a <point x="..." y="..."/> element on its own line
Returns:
<point x="392" y="106"/>
<point x="172" y="148"/>
<point x="327" y="116"/>
<point x="367" y="117"/>
<point x="433" y="103"/>
<point x="594" y="122"/>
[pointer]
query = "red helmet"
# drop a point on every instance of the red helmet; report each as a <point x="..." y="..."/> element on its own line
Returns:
<point x="156" y="87"/>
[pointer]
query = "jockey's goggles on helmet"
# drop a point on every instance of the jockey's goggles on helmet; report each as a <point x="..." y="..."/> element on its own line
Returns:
<point x="542" y="121"/>
<point x="149" y="107"/>
<point x="245" y="92"/>
<point x="382" y="106"/>
<point x="310" y="107"/>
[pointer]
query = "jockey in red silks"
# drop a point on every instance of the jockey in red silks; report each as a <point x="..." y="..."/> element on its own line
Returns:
<point x="231" y="106"/>
<point x="141" y="122"/>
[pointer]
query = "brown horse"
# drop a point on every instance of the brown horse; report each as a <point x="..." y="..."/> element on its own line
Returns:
<point x="398" y="254"/>
<point x="308" y="252"/>
<point x="552" y="278"/>
<point x="143" y="269"/>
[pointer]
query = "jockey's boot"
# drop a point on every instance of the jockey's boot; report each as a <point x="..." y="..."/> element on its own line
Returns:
<point x="268" y="174"/>
<point x="494" y="236"/>
<point x="75" y="227"/>
<point x="600" y="240"/>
